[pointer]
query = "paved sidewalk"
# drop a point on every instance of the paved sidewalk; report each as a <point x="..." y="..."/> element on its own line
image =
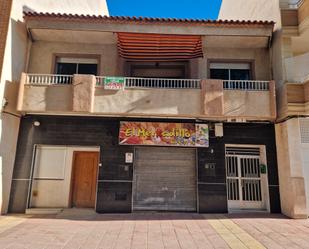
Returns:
<point x="75" y="230"/>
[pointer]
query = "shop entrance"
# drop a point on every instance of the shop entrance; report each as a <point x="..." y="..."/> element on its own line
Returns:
<point x="84" y="179"/>
<point x="164" y="179"/>
<point x="246" y="179"/>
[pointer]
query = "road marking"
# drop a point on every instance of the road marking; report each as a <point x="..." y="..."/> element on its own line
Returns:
<point x="232" y="234"/>
<point x="9" y="222"/>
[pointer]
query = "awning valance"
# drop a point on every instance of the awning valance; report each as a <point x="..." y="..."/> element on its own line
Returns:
<point x="159" y="47"/>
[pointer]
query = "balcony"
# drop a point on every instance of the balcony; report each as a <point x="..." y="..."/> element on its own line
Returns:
<point x="293" y="100"/>
<point x="191" y="98"/>
<point x="293" y="97"/>
<point x="297" y="69"/>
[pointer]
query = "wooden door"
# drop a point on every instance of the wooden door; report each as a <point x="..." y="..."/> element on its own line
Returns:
<point x="84" y="179"/>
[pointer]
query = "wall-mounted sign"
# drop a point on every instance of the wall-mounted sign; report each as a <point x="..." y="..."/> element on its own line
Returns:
<point x="163" y="134"/>
<point x="129" y="157"/>
<point x="114" y="83"/>
<point x="263" y="169"/>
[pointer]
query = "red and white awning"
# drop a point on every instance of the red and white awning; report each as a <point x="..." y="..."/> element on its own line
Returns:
<point x="159" y="47"/>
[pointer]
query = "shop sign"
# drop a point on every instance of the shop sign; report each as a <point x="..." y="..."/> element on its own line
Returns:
<point x="114" y="83"/>
<point x="163" y="134"/>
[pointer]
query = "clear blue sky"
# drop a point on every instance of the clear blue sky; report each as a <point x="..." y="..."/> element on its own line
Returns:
<point x="196" y="9"/>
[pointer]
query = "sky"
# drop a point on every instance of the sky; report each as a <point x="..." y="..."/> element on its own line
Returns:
<point x="195" y="9"/>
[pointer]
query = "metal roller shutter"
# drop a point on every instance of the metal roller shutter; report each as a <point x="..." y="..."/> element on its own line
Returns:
<point x="164" y="179"/>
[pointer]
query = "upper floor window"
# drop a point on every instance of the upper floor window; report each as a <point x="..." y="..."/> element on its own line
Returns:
<point x="167" y="70"/>
<point x="230" y="71"/>
<point x="70" y="66"/>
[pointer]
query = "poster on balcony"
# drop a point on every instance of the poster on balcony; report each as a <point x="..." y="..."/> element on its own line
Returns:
<point x="114" y="83"/>
<point x="164" y="134"/>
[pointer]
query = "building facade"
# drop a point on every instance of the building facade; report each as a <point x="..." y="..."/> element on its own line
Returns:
<point x="290" y="71"/>
<point x="135" y="114"/>
<point x="14" y="52"/>
<point x="292" y="126"/>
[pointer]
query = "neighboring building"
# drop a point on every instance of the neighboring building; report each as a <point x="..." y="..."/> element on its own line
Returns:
<point x="186" y="123"/>
<point x="15" y="46"/>
<point x="5" y="7"/>
<point x="290" y="68"/>
<point x="292" y="128"/>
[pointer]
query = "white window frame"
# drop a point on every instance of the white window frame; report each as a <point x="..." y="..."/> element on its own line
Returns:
<point x="230" y="66"/>
<point x="77" y="61"/>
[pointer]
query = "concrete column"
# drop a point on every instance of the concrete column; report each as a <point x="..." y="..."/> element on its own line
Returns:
<point x="83" y="93"/>
<point x="292" y="185"/>
<point x="306" y="91"/>
<point x="212" y="96"/>
<point x="20" y="97"/>
<point x="272" y="101"/>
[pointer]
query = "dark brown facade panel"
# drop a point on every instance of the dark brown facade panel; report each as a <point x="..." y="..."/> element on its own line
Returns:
<point x="114" y="191"/>
<point x="289" y="17"/>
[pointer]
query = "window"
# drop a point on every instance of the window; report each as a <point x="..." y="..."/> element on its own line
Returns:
<point x="70" y="66"/>
<point x="230" y="71"/>
<point x="49" y="162"/>
<point x="167" y="70"/>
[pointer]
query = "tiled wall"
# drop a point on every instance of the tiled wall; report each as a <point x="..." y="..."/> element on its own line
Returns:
<point x="5" y="7"/>
<point x="114" y="181"/>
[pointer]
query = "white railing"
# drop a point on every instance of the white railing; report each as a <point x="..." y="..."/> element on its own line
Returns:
<point x="290" y="4"/>
<point x="48" y="79"/>
<point x="246" y="85"/>
<point x="133" y="82"/>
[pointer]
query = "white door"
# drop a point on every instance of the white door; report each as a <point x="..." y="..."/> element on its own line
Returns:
<point x="246" y="180"/>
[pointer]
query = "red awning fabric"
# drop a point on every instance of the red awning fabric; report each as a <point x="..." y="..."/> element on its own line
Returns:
<point x="159" y="47"/>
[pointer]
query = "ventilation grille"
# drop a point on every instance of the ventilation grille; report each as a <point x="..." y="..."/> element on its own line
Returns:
<point x="304" y="130"/>
<point x="242" y="151"/>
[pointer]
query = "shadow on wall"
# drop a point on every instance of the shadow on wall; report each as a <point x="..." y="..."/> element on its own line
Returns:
<point x="59" y="98"/>
<point x="148" y="101"/>
<point x="13" y="66"/>
<point x="9" y="126"/>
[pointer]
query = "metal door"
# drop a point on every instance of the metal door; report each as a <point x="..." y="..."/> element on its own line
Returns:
<point x="245" y="183"/>
<point x="164" y="179"/>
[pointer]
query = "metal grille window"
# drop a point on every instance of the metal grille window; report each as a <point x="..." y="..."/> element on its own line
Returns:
<point x="304" y="130"/>
<point x="243" y="174"/>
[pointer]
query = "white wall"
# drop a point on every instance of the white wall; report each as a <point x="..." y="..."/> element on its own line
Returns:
<point x="297" y="68"/>
<point x="56" y="193"/>
<point x="86" y="7"/>
<point x="250" y="10"/>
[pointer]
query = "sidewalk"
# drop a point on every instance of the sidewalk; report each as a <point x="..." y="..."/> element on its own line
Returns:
<point x="72" y="230"/>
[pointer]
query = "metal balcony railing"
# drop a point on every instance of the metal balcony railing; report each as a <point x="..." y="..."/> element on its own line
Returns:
<point x="290" y="4"/>
<point x="134" y="82"/>
<point x="246" y="85"/>
<point x="48" y="79"/>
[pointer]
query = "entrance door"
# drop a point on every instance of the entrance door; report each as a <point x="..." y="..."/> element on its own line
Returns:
<point x="246" y="186"/>
<point x="164" y="179"/>
<point x="84" y="179"/>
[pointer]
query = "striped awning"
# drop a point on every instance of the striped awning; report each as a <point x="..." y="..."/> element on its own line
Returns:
<point x="159" y="47"/>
